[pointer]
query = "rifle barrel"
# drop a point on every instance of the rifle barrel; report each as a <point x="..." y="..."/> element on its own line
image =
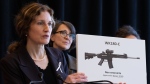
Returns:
<point x="133" y="57"/>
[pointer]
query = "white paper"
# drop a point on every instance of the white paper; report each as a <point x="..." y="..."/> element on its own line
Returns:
<point x="123" y="69"/>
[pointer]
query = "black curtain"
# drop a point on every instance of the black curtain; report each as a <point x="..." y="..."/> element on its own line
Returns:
<point x="95" y="17"/>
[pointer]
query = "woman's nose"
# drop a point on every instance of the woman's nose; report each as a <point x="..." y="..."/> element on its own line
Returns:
<point x="47" y="28"/>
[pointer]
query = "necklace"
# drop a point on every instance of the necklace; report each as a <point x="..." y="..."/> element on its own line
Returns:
<point x="41" y="59"/>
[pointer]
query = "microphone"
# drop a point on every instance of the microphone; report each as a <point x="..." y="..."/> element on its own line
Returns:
<point x="101" y="81"/>
<point x="41" y="76"/>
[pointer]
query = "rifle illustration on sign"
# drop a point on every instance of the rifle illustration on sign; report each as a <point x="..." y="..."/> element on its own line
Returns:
<point x="108" y="55"/>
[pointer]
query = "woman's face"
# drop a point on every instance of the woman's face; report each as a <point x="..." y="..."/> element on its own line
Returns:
<point x="60" y="41"/>
<point x="40" y="29"/>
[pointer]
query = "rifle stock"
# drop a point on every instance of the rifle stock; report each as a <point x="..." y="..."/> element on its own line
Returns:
<point x="89" y="55"/>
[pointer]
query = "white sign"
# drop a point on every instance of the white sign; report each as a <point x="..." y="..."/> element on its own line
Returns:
<point x="111" y="58"/>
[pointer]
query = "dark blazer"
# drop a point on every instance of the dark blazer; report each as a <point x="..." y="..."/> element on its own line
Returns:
<point x="72" y="64"/>
<point x="71" y="61"/>
<point x="19" y="68"/>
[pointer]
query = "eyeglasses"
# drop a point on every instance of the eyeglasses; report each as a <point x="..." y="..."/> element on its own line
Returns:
<point x="64" y="34"/>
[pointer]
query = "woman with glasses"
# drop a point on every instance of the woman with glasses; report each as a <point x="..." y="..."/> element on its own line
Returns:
<point x="63" y="38"/>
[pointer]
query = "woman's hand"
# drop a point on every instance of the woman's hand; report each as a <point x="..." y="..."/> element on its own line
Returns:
<point x="76" y="78"/>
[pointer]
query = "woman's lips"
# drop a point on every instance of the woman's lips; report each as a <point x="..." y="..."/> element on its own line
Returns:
<point x="46" y="36"/>
<point x="66" y="43"/>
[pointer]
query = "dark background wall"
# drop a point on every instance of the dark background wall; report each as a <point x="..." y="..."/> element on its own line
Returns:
<point x="96" y="17"/>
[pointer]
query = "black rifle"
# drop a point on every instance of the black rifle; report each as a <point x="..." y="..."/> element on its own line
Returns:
<point x="108" y="55"/>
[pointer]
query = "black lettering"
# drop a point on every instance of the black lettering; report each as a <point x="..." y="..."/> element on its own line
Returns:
<point x="107" y="43"/>
<point x="112" y="43"/>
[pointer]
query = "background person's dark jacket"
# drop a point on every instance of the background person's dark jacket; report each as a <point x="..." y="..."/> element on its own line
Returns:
<point x="71" y="62"/>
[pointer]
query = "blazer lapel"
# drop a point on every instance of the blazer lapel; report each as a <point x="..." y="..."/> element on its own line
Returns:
<point x="52" y="58"/>
<point x="59" y="63"/>
<point x="56" y="61"/>
<point x="28" y="66"/>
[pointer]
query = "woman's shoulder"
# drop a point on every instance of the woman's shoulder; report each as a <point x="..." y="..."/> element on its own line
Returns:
<point x="9" y="56"/>
<point x="14" y="55"/>
<point x="9" y="59"/>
